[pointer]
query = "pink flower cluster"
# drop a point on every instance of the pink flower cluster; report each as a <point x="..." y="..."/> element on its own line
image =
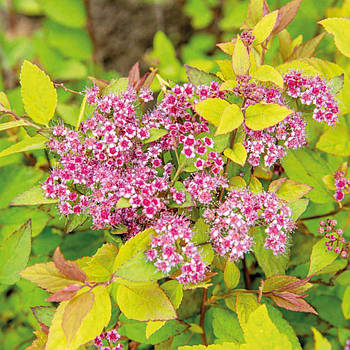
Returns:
<point x="347" y="345"/>
<point x="173" y="246"/>
<point x="242" y="210"/>
<point x="313" y="90"/>
<point x="342" y="185"/>
<point x="271" y="143"/>
<point x="335" y="240"/>
<point x="108" y="341"/>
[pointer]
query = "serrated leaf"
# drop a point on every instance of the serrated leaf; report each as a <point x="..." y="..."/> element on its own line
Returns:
<point x="26" y="145"/>
<point x="238" y="154"/>
<point x="38" y="93"/>
<point x="199" y="77"/>
<point x="264" y="27"/>
<point x="44" y="314"/>
<point x="340" y="28"/>
<point x="212" y="109"/>
<point x="90" y="326"/>
<point x="240" y="58"/>
<point x="267" y="73"/>
<point x="231" y="274"/>
<point x="47" y="276"/>
<point x="33" y="196"/>
<point x="245" y="305"/>
<point x="146" y="302"/>
<point x="231" y="119"/>
<point x="260" y="330"/>
<point x="291" y="190"/>
<point x="261" y="116"/>
<point x="320" y="257"/>
<point x="155" y="134"/>
<point x="14" y="253"/>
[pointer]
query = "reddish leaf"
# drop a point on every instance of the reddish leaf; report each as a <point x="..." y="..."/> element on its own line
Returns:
<point x="307" y="49"/>
<point x="61" y="295"/>
<point x="148" y="78"/>
<point x="284" y="283"/>
<point x="285" y="15"/>
<point x="68" y="268"/>
<point x="134" y="75"/>
<point x="291" y="302"/>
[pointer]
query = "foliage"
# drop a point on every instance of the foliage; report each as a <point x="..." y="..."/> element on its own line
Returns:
<point x="226" y="250"/>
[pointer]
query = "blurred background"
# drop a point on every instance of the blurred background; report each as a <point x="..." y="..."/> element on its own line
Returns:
<point x="74" y="39"/>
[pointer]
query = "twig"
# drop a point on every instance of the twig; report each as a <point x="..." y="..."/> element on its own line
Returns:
<point x="67" y="89"/>
<point x="247" y="280"/>
<point x="28" y="123"/>
<point x="202" y="316"/>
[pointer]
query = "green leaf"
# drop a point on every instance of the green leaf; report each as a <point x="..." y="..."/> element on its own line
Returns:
<point x="267" y="73"/>
<point x="71" y="13"/>
<point x="264" y="27"/>
<point x="321" y="343"/>
<point x="343" y="279"/>
<point x="335" y="140"/>
<point x="155" y="134"/>
<point x="320" y="257"/>
<point x="123" y="203"/>
<point x="147" y="302"/>
<point x="271" y="264"/>
<point x="199" y="77"/>
<point x="261" y="330"/>
<point x="10" y="125"/>
<point x="255" y="185"/>
<point x="44" y="314"/>
<point x="174" y="291"/>
<point x="231" y="274"/>
<point x="346" y="303"/>
<point x="85" y="328"/>
<point x="291" y="190"/>
<point x="298" y="207"/>
<point x="240" y="58"/>
<point x="81" y="113"/>
<point x="226" y="326"/>
<point x="38" y="93"/>
<point x="26" y="145"/>
<point x="230" y="119"/>
<point x="34" y="196"/>
<point x="212" y="109"/>
<point x="4" y="102"/>
<point x="261" y="116"/>
<point x="238" y="154"/>
<point x="340" y="28"/>
<point x="14" y="253"/>
<point x="245" y="305"/>
<point x="116" y="86"/>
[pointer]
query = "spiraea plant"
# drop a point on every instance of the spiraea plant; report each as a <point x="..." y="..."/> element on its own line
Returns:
<point x="197" y="190"/>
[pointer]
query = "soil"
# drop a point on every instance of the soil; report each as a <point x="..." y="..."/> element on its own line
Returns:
<point x="123" y="30"/>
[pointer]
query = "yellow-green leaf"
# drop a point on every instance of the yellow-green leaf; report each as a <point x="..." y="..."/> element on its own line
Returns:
<point x="240" y="58"/>
<point x="38" y="93"/>
<point x="147" y="302"/>
<point x="261" y="116"/>
<point x="153" y="326"/>
<point x="238" y="154"/>
<point x="291" y="190"/>
<point x="261" y="330"/>
<point x="264" y="27"/>
<point x="34" y="196"/>
<point x="255" y="185"/>
<point x="245" y="305"/>
<point x="223" y="346"/>
<point x="10" y="125"/>
<point x="90" y="326"/>
<point x="320" y="257"/>
<point x="26" y="145"/>
<point x="4" y="102"/>
<point x="321" y="343"/>
<point x="231" y="119"/>
<point x="212" y="109"/>
<point x="47" y="276"/>
<point x="340" y="28"/>
<point x="237" y="182"/>
<point x="267" y="73"/>
<point x="231" y="274"/>
<point x="346" y="303"/>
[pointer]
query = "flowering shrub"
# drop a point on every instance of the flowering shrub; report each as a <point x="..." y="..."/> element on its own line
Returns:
<point x="188" y="186"/>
